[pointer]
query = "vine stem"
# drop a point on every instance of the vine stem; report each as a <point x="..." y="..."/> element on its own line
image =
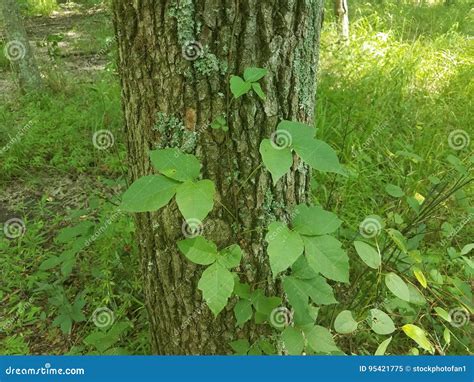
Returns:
<point x="248" y="178"/>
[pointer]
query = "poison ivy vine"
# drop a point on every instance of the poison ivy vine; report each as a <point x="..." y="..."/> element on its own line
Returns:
<point x="178" y="177"/>
<point x="304" y="255"/>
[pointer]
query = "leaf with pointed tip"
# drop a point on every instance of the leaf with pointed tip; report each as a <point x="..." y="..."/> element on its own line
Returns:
<point x="175" y="164"/>
<point x="243" y="311"/>
<point x="239" y="87"/>
<point x="382" y="348"/>
<point x="195" y="199"/>
<point x="230" y="257"/>
<point x="397" y="286"/>
<point x="345" y="323"/>
<point x="258" y="90"/>
<point x="380" y="322"/>
<point x="198" y="250"/>
<point x="368" y="254"/>
<point x="321" y="341"/>
<point x="325" y="255"/>
<point x="293" y="340"/>
<point x="277" y="161"/>
<point x="148" y="193"/>
<point x="314" y="220"/>
<point x="419" y="336"/>
<point x="284" y="247"/>
<point x="216" y="284"/>
<point x="254" y="74"/>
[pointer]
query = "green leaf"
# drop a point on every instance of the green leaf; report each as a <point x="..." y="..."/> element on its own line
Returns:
<point x="394" y="191"/>
<point x="447" y="336"/>
<point x="220" y="123"/>
<point x="148" y="193"/>
<point x="230" y="257"/>
<point x="368" y="254"/>
<point x="199" y="250"/>
<point x="314" y="220"/>
<point x="277" y="161"/>
<point x="243" y="311"/>
<point x="264" y="304"/>
<point x="195" y="199"/>
<point x="49" y="263"/>
<point x="258" y="90"/>
<point x="240" y="346"/>
<point x="254" y="74"/>
<point x="299" y="132"/>
<point x="325" y="255"/>
<point x="443" y="314"/>
<point x="382" y="348"/>
<point x="420" y="277"/>
<point x="398" y="239"/>
<point x="293" y="340"/>
<point x="345" y="323"/>
<point x="241" y="290"/>
<point x="380" y="322"/>
<point x="467" y="248"/>
<point x="317" y="289"/>
<point x="284" y="247"/>
<point x="267" y="347"/>
<point x="321" y="341"/>
<point x="301" y="270"/>
<point x="239" y="87"/>
<point x="318" y="154"/>
<point x="418" y="335"/>
<point x="68" y="234"/>
<point x="216" y="284"/>
<point x="397" y="286"/>
<point x="175" y="164"/>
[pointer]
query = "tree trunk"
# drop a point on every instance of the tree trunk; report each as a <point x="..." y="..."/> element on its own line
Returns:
<point x="18" y="49"/>
<point x="175" y="60"/>
<point x="342" y="13"/>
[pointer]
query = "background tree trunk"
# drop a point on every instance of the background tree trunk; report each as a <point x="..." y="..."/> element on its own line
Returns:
<point x="169" y="100"/>
<point x="341" y="9"/>
<point x="18" y="49"/>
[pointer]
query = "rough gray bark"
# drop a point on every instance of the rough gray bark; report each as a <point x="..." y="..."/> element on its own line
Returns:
<point x="169" y="100"/>
<point x="18" y="49"/>
<point x="342" y="13"/>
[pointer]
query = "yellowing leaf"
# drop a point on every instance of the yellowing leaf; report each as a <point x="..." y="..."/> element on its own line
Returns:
<point x="420" y="277"/>
<point x="419" y="198"/>
<point x="418" y="335"/>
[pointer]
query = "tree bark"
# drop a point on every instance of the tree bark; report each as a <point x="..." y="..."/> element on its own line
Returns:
<point x="342" y="13"/>
<point x="18" y="49"/>
<point x="170" y="96"/>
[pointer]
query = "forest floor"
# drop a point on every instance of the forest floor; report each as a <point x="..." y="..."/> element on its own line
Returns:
<point x="387" y="102"/>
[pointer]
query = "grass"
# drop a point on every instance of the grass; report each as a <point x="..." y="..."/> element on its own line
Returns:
<point x="388" y="102"/>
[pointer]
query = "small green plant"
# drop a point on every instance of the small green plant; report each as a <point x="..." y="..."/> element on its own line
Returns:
<point x="240" y="86"/>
